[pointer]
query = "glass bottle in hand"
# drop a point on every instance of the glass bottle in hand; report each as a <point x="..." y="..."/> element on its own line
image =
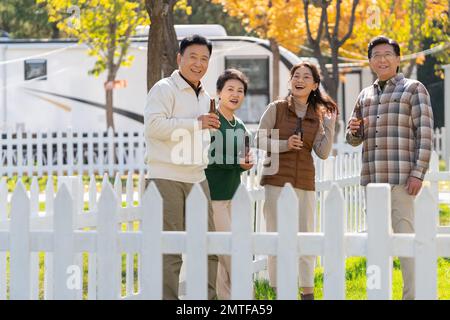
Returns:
<point x="213" y="109"/>
<point x="299" y="128"/>
<point x="247" y="148"/>
<point x="358" y="114"/>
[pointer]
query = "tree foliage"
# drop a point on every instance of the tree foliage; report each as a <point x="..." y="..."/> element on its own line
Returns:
<point x="409" y="22"/>
<point x="106" y="27"/>
<point x="26" y="19"/>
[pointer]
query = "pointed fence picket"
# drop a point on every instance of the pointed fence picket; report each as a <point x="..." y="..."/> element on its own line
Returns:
<point x="241" y="246"/>
<point x="107" y="251"/>
<point x="19" y="235"/>
<point x="334" y="246"/>
<point x="425" y="249"/>
<point x="64" y="251"/>
<point x="379" y="260"/>
<point x="152" y="244"/>
<point x="196" y="244"/>
<point x="287" y="259"/>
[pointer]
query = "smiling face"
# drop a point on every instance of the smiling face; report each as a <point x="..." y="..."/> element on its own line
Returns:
<point x="302" y="83"/>
<point x="384" y="62"/>
<point x="193" y="63"/>
<point x="232" y="95"/>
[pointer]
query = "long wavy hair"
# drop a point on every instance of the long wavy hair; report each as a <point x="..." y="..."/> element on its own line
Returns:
<point x="317" y="98"/>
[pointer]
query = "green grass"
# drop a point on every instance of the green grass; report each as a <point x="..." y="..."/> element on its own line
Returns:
<point x="442" y="165"/>
<point x="42" y="182"/>
<point x="444" y="214"/>
<point x="356" y="281"/>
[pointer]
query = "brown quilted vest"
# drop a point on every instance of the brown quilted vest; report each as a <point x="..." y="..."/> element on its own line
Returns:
<point x="295" y="167"/>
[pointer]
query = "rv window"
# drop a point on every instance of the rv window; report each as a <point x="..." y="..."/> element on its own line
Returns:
<point x="36" y="68"/>
<point x="257" y="71"/>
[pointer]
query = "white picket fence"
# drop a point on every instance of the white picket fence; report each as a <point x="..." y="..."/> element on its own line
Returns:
<point x="62" y="235"/>
<point x="74" y="152"/>
<point x="343" y="170"/>
<point x="439" y="143"/>
<point x="70" y="152"/>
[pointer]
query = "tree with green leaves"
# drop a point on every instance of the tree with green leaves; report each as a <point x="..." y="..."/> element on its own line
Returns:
<point x="412" y="23"/>
<point x="106" y="27"/>
<point x="26" y="19"/>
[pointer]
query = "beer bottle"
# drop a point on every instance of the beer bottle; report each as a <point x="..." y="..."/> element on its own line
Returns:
<point x="358" y="114"/>
<point x="299" y="128"/>
<point x="212" y="107"/>
<point x="246" y="148"/>
<point x="213" y="110"/>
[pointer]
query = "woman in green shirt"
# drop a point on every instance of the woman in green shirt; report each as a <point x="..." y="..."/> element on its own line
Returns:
<point x="225" y="164"/>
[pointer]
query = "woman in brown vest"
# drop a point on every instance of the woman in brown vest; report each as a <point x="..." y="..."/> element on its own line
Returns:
<point x="289" y="130"/>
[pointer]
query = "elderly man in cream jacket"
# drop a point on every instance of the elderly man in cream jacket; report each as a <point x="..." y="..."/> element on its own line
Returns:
<point x="176" y="123"/>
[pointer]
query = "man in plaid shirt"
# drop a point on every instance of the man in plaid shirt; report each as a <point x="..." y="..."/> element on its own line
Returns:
<point x="397" y="129"/>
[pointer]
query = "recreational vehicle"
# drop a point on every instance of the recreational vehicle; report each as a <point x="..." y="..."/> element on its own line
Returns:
<point x="45" y="86"/>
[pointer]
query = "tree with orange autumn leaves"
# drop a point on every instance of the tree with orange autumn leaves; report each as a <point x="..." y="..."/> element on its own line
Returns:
<point x="339" y="30"/>
<point x="275" y="20"/>
<point x="411" y="23"/>
<point x="283" y="22"/>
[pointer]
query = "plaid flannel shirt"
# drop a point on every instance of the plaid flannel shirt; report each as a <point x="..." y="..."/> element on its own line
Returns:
<point x="398" y="131"/>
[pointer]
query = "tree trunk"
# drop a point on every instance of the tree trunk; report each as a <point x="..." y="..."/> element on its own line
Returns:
<point x="155" y="42"/>
<point x="162" y="41"/>
<point x="275" y="68"/>
<point x="171" y="43"/>
<point x="55" y="31"/>
<point x="109" y="105"/>
<point x="334" y="85"/>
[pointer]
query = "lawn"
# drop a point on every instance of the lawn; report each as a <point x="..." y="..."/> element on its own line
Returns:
<point x="444" y="214"/>
<point x="356" y="281"/>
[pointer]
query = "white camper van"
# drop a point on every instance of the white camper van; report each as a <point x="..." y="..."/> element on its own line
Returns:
<point x="44" y="84"/>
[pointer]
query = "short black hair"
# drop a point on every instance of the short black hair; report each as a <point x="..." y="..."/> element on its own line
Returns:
<point x="231" y="74"/>
<point x="195" y="39"/>
<point x="382" y="40"/>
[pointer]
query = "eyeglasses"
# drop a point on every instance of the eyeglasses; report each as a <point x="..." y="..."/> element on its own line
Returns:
<point x="387" y="56"/>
